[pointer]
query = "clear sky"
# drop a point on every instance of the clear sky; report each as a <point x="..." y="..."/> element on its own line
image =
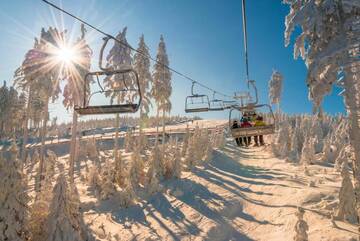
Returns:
<point x="203" y="38"/>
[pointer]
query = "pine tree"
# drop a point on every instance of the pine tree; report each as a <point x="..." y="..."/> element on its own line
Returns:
<point x="64" y="222"/>
<point x="127" y="195"/>
<point x="275" y="88"/>
<point x="328" y="43"/>
<point x="347" y="208"/>
<point x="185" y="142"/>
<point x="308" y="151"/>
<point x="142" y="67"/>
<point x="13" y="199"/>
<point x="161" y="88"/>
<point x="74" y="88"/>
<point x="108" y="176"/>
<point x="177" y="163"/>
<point x="120" y="172"/>
<point x="301" y="227"/>
<point x="137" y="174"/>
<point x="118" y="58"/>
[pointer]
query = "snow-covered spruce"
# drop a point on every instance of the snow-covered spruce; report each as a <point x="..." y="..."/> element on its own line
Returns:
<point x="347" y="208"/>
<point x="137" y="174"/>
<point x="64" y="222"/>
<point x="41" y="206"/>
<point x="108" y="187"/>
<point x="275" y="87"/>
<point x="301" y="227"/>
<point x="328" y="43"/>
<point x="161" y="88"/>
<point x="13" y="199"/>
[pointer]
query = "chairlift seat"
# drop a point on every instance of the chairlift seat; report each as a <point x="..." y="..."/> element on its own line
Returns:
<point x="216" y="105"/>
<point x="107" y="109"/>
<point x="253" y="131"/>
<point x="193" y="110"/>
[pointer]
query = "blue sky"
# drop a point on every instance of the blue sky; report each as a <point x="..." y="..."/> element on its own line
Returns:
<point x="204" y="40"/>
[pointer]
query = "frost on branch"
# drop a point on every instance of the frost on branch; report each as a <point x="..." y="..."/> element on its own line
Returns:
<point x="108" y="187"/>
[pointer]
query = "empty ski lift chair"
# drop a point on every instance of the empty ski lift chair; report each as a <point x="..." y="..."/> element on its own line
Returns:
<point x="196" y="103"/>
<point x="88" y="109"/>
<point x="229" y="104"/>
<point x="216" y="104"/>
<point x="267" y="129"/>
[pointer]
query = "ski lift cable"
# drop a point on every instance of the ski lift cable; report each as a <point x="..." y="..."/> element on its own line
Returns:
<point x="135" y="50"/>
<point x="245" y="40"/>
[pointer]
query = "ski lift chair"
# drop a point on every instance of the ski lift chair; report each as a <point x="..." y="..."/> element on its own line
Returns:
<point x="229" y="104"/>
<point x="240" y="132"/>
<point x="216" y="104"/>
<point x="88" y="109"/>
<point x="196" y="102"/>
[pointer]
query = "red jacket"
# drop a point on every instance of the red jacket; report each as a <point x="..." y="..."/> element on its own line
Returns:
<point x="246" y="124"/>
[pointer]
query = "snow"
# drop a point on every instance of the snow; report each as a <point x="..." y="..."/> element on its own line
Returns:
<point x="237" y="194"/>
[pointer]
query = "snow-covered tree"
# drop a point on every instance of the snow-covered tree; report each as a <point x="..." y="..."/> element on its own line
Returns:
<point x="41" y="206"/>
<point x="301" y="227"/>
<point x="185" y="142"/>
<point x="161" y="88"/>
<point x="108" y="175"/>
<point x="328" y="43"/>
<point x="142" y="67"/>
<point x="94" y="180"/>
<point x="347" y="205"/>
<point x="120" y="171"/>
<point x="64" y="222"/>
<point x="137" y="174"/>
<point x="118" y="57"/>
<point x="308" y="152"/>
<point x="127" y="194"/>
<point x="282" y="144"/>
<point x="177" y="163"/>
<point x="275" y="88"/>
<point x="13" y="199"/>
<point x="74" y="88"/>
<point x="156" y="164"/>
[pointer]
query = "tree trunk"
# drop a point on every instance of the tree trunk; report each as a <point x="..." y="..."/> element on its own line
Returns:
<point x="163" y="127"/>
<point x="157" y="127"/>
<point x="352" y="102"/>
<point x="116" y="141"/>
<point x="116" y="144"/>
<point x="26" y="130"/>
<point x="73" y="146"/>
<point x="43" y="136"/>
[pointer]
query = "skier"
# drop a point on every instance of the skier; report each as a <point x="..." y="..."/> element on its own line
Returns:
<point x="259" y="122"/>
<point x="245" y="124"/>
<point x="238" y="140"/>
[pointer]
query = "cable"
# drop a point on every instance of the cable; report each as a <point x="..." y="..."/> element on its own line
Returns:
<point x="245" y="40"/>
<point x="135" y="50"/>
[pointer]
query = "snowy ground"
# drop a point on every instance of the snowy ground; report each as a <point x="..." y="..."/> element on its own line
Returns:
<point x="242" y="194"/>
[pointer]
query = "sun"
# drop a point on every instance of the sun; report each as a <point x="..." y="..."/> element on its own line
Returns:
<point x="65" y="55"/>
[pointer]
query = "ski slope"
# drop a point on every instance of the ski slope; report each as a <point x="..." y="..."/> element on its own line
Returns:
<point x="241" y="194"/>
